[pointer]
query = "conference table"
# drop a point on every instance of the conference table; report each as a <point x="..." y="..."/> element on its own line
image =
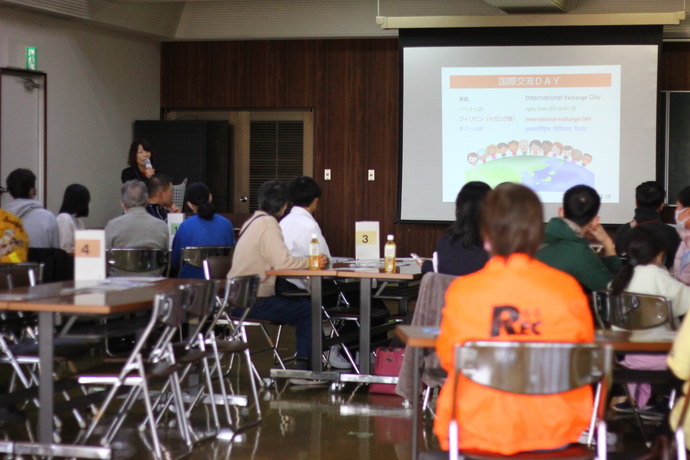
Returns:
<point x="101" y="298"/>
<point x="422" y="337"/>
<point x="365" y="271"/>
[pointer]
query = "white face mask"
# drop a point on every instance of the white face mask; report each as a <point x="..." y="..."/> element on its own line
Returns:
<point x="680" y="224"/>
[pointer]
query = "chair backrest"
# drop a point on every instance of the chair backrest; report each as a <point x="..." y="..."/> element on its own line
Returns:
<point x="195" y="255"/>
<point x="533" y="368"/>
<point x="632" y="311"/>
<point x="201" y="297"/>
<point x="152" y="261"/>
<point x="171" y="307"/>
<point x="240" y="291"/>
<point x="178" y="193"/>
<point x="217" y="268"/>
<point x="20" y="275"/>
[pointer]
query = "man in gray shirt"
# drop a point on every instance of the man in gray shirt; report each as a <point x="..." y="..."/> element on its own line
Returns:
<point x="136" y="228"/>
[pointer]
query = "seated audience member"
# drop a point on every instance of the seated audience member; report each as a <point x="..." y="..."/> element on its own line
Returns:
<point x="206" y="228"/>
<point x="460" y="251"/>
<point x="75" y="205"/>
<point x="681" y="265"/>
<point x="542" y="304"/>
<point x="39" y="223"/>
<point x="260" y="247"/>
<point x="649" y="201"/>
<point x="160" y="189"/>
<point x="646" y="274"/>
<point x="566" y="245"/>
<point x="139" y="152"/>
<point x="135" y="228"/>
<point x="298" y="227"/>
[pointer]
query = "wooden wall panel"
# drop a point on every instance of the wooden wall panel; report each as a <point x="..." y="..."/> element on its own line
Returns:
<point x="675" y="67"/>
<point x="353" y="88"/>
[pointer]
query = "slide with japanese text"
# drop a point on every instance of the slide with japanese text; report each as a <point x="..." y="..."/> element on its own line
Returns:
<point x="548" y="128"/>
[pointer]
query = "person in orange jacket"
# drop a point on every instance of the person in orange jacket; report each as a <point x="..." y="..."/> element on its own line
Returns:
<point x="513" y="298"/>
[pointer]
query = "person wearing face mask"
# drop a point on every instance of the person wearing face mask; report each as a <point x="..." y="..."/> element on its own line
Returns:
<point x="681" y="264"/>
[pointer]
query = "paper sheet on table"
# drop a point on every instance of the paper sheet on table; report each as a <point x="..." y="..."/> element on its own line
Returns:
<point x="653" y="336"/>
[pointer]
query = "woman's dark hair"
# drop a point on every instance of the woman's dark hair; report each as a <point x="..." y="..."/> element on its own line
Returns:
<point x="272" y="197"/>
<point x="684" y="197"/>
<point x="200" y="196"/>
<point x="468" y="206"/>
<point x="132" y="158"/>
<point x="645" y="242"/>
<point x="76" y="200"/>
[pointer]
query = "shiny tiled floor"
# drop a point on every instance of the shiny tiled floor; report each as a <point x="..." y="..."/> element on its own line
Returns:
<point x="308" y="422"/>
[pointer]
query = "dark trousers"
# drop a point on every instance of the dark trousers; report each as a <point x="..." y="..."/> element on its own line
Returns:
<point x="293" y="311"/>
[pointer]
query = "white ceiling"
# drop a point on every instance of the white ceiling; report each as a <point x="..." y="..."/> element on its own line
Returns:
<point x="167" y="20"/>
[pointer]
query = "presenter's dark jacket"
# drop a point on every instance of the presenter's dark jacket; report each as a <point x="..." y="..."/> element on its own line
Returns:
<point x="132" y="173"/>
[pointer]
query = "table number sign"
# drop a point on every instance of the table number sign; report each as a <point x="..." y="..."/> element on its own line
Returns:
<point x="89" y="255"/>
<point x="367" y="240"/>
<point x="174" y="221"/>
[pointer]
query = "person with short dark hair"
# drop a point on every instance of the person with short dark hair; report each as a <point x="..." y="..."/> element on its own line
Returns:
<point x="566" y="242"/>
<point x="260" y="247"/>
<point x="139" y="151"/>
<point x="39" y="223"/>
<point x="160" y="203"/>
<point x="206" y="228"/>
<point x="649" y="201"/>
<point x="75" y="205"/>
<point x="135" y="228"/>
<point x="513" y="298"/>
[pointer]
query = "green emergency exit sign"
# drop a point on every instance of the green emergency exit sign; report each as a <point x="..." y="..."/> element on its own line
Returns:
<point x="31" y="58"/>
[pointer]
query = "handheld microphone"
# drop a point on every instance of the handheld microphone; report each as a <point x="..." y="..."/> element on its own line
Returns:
<point x="147" y="164"/>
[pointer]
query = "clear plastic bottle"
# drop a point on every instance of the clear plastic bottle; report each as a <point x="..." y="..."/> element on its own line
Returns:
<point x="389" y="255"/>
<point x="314" y="253"/>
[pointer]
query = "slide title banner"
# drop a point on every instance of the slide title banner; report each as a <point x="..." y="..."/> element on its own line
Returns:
<point x="548" y="128"/>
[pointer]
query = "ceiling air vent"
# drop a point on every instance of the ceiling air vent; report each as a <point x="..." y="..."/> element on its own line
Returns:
<point x="529" y="6"/>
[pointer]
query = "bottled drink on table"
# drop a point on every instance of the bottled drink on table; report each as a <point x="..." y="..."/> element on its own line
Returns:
<point x="314" y="253"/>
<point x="389" y="255"/>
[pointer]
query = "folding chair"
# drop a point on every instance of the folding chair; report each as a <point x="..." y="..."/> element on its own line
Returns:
<point x="632" y="311"/>
<point x="218" y="268"/>
<point x="681" y="449"/>
<point x="195" y="255"/>
<point x="178" y="193"/>
<point x="138" y="262"/>
<point x="141" y="369"/>
<point x="535" y="368"/>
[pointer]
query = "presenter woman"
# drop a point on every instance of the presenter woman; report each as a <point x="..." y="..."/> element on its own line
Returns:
<point x="513" y="298"/>
<point x="138" y="169"/>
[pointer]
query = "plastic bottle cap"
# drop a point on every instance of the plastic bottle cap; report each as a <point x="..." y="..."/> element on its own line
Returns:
<point x="313" y="236"/>
<point x="390" y="237"/>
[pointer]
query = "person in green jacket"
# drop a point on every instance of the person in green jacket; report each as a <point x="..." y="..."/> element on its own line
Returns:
<point x="566" y="240"/>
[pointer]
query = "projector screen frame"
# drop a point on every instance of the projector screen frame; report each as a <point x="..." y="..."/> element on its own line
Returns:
<point x="530" y="36"/>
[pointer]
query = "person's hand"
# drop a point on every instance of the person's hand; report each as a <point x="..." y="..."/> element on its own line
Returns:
<point x="323" y="261"/>
<point x="174" y="208"/>
<point x="598" y="233"/>
<point x="150" y="172"/>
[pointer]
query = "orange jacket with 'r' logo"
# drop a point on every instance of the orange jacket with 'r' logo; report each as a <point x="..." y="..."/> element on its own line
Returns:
<point x="516" y="299"/>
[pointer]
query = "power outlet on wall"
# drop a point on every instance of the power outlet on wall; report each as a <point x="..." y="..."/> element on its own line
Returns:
<point x="371" y="174"/>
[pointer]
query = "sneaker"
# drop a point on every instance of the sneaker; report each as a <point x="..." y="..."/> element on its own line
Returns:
<point x="656" y="413"/>
<point x="336" y="360"/>
<point x="611" y="438"/>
